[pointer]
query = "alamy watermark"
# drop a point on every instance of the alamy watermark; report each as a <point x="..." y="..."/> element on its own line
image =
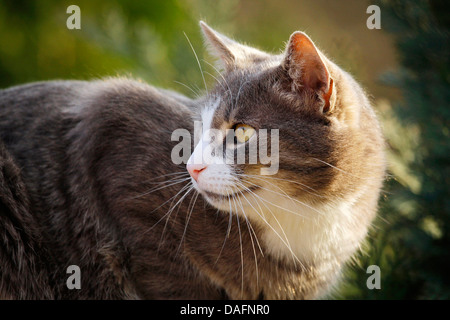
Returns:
<point x="374" y="280"/>
<point x="74" y="280"/>
<point x="74" y="20"/>
<point x="374" y="20"/>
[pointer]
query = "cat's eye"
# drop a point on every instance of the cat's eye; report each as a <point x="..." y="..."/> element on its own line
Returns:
<point x="243" y="132"/>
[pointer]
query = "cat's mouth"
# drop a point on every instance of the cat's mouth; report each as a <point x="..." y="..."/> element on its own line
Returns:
<point x="222" y="197"/>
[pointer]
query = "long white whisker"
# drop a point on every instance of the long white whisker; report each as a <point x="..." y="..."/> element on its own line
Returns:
<point x="178" y="178"/>
<point x="171" y="183"/>
<point x="343" y="171"/>
<point x="196" y="94"/>
<point x="286" y="239"/>
<point x="250" y="230"/>
<point x="217" y="80"/>
<point x="198" y="62"/>
<point x="182" y="173"/>
<point x="281" y="179"/>
<point x="263" y="179"/>
<point x="173" y="197"/>
<point x="230" y="221"/>
<point x="190" y="187"/>
<point x="226" y="82"/>
<point x="290" y="198"/>
<point x="190" y="210"/>
<point x="283" y="208"/>
<point x="239" y="92"/>
<point x="242" y="252"/>
<point x="249" y="224"/>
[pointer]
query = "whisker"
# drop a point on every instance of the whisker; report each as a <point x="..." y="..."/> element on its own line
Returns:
<point x="173" y="175"/>
<point x="250" y="230"/>
<point x="331" y="200"/>
<point x="239" y="92"/>
<point x="179" y="201"/>
<point x="168" y="213"/>
<point x="220" y="73"/>
<point x="198" y="62"/>
<point x="249" y="223"/>
<point x="226" y="82"/>
<point x="287" y="180"/>
<point x="290" y="198"/>
<point x="230" y="220"/>
<point x="188" y="188"/>
<point x="285" y="240"/>
<point x="172" y="183"/>
<point x="196" y="93"/>
<point x="217" y="80"/>
<point x="190" y="210"/>
<point x="173" y="197"/>
<point x="242" y="253"/>
<point x="178" y="178"/>
<point x="283" y="208"/>
<point x="343" y="171"/>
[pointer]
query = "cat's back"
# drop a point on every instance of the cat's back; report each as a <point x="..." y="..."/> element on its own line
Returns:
<point x="42" y="110"/>
<point x="23" y="105"/>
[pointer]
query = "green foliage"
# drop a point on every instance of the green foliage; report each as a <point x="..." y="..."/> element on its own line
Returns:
<point x="413" y="242"/>
<point x="138" y="38"/>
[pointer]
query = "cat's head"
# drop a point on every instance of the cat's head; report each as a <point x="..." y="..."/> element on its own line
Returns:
<point x="300" y="120"/>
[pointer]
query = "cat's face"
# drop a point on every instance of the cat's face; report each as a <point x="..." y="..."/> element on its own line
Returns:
<point x="283" y="112"/>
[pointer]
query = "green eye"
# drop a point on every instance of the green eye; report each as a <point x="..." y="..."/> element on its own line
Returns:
<point x="243" y="132"/>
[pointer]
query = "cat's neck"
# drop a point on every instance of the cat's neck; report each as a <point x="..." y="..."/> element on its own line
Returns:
<point x="319" y="235"/>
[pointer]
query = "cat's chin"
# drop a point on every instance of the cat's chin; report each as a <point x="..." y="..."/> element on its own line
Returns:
<point x="229" y="201"/>
<point x="220" y="201"/>
<point x="222" y="204"/>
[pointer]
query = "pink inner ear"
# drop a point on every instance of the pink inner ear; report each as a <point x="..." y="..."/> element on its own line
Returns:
<point x="305" y="56"/>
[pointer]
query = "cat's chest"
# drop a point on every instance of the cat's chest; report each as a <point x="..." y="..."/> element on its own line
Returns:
<point x="308" y="234"/>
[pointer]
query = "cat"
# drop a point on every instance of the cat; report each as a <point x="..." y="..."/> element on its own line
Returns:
<point x="87" y="179"/>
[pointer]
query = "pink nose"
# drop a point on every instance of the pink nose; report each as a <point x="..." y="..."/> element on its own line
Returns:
<point x="195" y="169"/>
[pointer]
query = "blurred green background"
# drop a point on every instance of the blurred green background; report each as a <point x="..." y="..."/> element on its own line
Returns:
<point x="405" y="66"/>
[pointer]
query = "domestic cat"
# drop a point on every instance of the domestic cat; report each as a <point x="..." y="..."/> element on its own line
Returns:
<point x="88" y="179"/>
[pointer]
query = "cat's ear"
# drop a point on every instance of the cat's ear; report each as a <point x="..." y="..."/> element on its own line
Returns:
<point x="230" y="53"/>
<point x="307" y="69"/>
